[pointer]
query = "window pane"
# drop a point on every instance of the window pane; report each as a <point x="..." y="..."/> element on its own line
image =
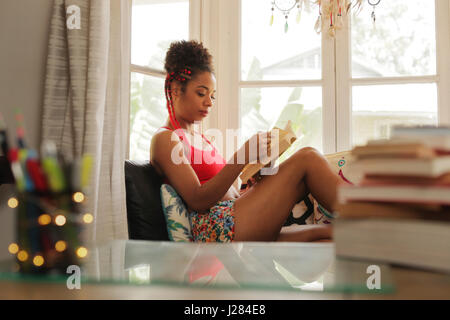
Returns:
<point x="270" y="53"/>
<point x="263" y="108"/>
<point x="155" y="24"/>
<point x="377" y="108"/>
<point x="148" y="112"/>
<point x="403" y="42"/>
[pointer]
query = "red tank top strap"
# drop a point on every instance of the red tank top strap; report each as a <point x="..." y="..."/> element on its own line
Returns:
<point x="182" y="136"/>
<point x="208" y="141"/>
<point x="188" y="141"/>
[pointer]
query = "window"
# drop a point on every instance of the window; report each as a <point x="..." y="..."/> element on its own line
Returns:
<point x="393" y="68"/>
<point x="154" y="25"/>
<point x="368" y="78"/>
<point x="338" y="92"/>
<point x="280" y="77"/>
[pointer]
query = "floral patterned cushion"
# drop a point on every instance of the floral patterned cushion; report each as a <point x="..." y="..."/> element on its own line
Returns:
<point x="177" y="215"/>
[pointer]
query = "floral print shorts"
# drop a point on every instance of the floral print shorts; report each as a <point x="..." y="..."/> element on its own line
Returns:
<point x="215" y="226"/>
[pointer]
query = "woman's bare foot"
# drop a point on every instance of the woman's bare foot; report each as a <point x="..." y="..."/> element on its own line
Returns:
<point x="306" y="233"/>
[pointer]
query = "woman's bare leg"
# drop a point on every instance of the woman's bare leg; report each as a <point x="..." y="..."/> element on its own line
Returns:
<point x="261" y="212"/>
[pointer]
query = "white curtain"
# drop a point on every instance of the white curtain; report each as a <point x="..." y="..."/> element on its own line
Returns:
<point x="85" y="103"/>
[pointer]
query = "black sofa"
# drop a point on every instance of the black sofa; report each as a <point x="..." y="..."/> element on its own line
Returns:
<point x="145" y="215"/>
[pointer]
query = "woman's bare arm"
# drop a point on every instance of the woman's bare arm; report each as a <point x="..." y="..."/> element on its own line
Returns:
<point x="167" y="152"/>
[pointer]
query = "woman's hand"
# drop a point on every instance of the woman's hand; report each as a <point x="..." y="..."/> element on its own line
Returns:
<point x="257" y="148"/>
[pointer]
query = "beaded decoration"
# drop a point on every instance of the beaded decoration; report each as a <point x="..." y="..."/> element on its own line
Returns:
<point x="331" y="11"/>
<point x="181" y="76"/>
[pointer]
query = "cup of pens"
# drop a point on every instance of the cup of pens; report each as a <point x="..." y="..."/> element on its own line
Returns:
<point x="50" y="207"/>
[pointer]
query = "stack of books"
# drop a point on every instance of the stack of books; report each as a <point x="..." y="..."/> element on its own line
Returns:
<point x="400" y="211"/>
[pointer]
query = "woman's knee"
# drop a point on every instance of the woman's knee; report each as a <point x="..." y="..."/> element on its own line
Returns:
<point x="306" y="155"/>
<point x="309" y="152"/>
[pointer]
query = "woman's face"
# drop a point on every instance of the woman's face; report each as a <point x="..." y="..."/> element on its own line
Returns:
<point x="195" y="102"/>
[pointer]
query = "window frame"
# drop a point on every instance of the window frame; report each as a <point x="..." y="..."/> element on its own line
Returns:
<point x="345" y="82"/>
<point x="229" y="83"/>
<point x="195" y="28"/>
<point x="217" y="24"/>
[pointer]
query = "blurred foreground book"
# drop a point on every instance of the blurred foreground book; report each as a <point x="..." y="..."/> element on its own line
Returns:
<point x="400" y="211"/>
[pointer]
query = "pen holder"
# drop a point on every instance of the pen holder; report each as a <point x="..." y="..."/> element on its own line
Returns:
<point x="49" y="232"/>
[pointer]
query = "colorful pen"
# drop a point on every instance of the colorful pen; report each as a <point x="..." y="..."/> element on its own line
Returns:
<point x="86" y="168"/>
<point x="13" y="157"/>
<point x="20" y="129"/>
<point x="35" y="171"/>
<point x="23" y="155"/>
<point x="52" y="169"/>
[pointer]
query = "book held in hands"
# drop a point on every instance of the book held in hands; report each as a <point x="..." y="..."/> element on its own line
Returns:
<point x="284" y="138"/>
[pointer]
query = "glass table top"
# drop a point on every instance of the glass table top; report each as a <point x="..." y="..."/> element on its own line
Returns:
<point x="239" y="265"/>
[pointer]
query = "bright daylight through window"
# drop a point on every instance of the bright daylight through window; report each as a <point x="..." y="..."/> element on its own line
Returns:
<point x="152" y="32"/>
<point x="338" y="92"/>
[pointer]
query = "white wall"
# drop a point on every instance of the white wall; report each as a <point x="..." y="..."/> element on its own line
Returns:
<point x="24" y="26"/>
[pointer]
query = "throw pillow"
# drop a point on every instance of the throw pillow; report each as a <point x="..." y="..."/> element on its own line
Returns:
<point x="177" y="215"/>
<point x="340" y="162"/>
<point x="308" y="210"/>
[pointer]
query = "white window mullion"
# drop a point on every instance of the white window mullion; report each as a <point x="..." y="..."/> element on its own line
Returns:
<point x="232" y="110"/>
<point x="394" y="80"/>
<point x="226" y="58"/>
<point x="147" y="71"/>
<point x="443" y="61"/>
<point x="280" y="83"/>
<point x="125" y="12"/>
<point x="199" y="29"/>
<point x="328" y="83"/>
<point x="343" y="88"/>
<point x="209" y="36"/>
<point x="195" y="19"/>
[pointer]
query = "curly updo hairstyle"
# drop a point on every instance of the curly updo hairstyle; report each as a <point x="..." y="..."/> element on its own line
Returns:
<point x="184" y="60"/>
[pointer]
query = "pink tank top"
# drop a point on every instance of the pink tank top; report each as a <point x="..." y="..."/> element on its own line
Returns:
<point x="206" y="163"/>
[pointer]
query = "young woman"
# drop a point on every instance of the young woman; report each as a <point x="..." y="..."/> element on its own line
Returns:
<point x="218" y="211"/>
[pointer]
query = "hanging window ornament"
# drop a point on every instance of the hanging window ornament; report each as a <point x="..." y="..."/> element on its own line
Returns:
<point x="373" y="3"/>
<point x="273" y="9"/>
<point x="334" y="10"/>
<point x="357" y="6"/>
<point x="318" y="25"/>
<point x="285" y="6"/>
<point x="299" y="11"/>
<point x="286" y="26"/>
<point x="331" y="30"/>
<point x="339" y="23"/>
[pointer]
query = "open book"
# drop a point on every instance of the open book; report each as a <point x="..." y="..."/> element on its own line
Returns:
<point x="286" y="138"/>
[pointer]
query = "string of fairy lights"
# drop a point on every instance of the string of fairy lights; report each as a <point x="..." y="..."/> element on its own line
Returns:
<point x="59" y="219"/>
<point x="49" y="203"/>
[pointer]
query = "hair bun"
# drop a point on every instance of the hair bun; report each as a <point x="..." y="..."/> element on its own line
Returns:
<point x="188" y="54"/>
